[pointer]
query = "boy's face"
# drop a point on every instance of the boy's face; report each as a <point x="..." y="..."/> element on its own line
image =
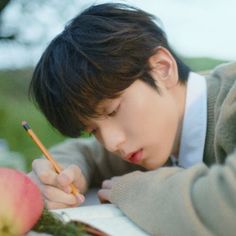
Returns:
<point x="141" y="126"/>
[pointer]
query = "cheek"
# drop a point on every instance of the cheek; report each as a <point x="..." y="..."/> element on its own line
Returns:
<point x="158" y="126"/>
<point x="167" y="123"/>
<point x="150" y="120"/>
<point x="161" y="130"/>
<point x="158" y="142"/>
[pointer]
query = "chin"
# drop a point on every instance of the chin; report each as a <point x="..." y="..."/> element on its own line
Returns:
<point x="152" y="165"/>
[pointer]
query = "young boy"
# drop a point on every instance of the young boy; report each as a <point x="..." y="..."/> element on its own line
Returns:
<point x="112" y="73"/>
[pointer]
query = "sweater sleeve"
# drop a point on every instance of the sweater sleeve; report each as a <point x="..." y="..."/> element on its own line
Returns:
<point x="94" y="161"/>
<point x="175" y="201"/>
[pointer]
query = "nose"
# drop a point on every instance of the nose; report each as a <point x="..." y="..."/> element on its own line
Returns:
<point x="112" y="136"/>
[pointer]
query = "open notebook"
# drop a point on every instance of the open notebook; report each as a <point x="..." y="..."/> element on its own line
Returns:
<point x="101" y="220"/>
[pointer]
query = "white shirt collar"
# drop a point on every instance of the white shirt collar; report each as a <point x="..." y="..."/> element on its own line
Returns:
<point x="194" y="122"/>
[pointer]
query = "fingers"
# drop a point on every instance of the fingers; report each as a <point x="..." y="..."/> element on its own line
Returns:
<point x="62" y="199"/>
<point x="107" y="184"/>
<point x="47" y="175"/>
<point x="105" y="192"/>
<point x="55" y="205"/>
<point x="56" y="188"/>
<point x="44" y="171"/>
<point x="104" y="195"/>
<point x="72" y="174"/>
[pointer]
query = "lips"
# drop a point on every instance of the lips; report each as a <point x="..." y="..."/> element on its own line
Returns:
<point x="135" y="157"/>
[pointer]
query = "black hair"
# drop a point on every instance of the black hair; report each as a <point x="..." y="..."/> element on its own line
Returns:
<point x="100" y="53"/>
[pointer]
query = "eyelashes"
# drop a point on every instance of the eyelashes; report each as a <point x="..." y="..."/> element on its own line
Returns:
<point x="111" y="114"/>
<point x="114" y="112"/>
<point x="92" y="130"/>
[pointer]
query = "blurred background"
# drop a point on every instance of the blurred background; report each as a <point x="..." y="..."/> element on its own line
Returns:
<point x="202" y="32"/>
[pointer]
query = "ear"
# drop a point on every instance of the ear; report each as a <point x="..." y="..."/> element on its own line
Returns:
<point x="163" y="67"/>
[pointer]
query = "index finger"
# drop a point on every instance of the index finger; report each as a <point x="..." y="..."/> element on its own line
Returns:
<point x="45" y="172"/>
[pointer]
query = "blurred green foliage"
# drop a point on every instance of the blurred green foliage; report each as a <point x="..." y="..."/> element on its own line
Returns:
<point x="202" y="64"/>
<point x="15" y="106"/>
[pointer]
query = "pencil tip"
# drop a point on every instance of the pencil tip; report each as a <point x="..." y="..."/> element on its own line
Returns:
<point x="25" y="125"/>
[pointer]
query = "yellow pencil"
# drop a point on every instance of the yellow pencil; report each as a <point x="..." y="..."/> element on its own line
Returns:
<point x="45" y="152"/>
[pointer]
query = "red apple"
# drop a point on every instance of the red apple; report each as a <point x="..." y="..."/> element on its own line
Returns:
<point x="21" y="203"/>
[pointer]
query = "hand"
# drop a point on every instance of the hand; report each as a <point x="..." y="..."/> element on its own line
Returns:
<point x="55" y="187"/>
<point x="104" y="193"/>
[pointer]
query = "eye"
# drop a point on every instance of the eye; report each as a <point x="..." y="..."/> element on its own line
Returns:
<point x="114" y="112"/>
